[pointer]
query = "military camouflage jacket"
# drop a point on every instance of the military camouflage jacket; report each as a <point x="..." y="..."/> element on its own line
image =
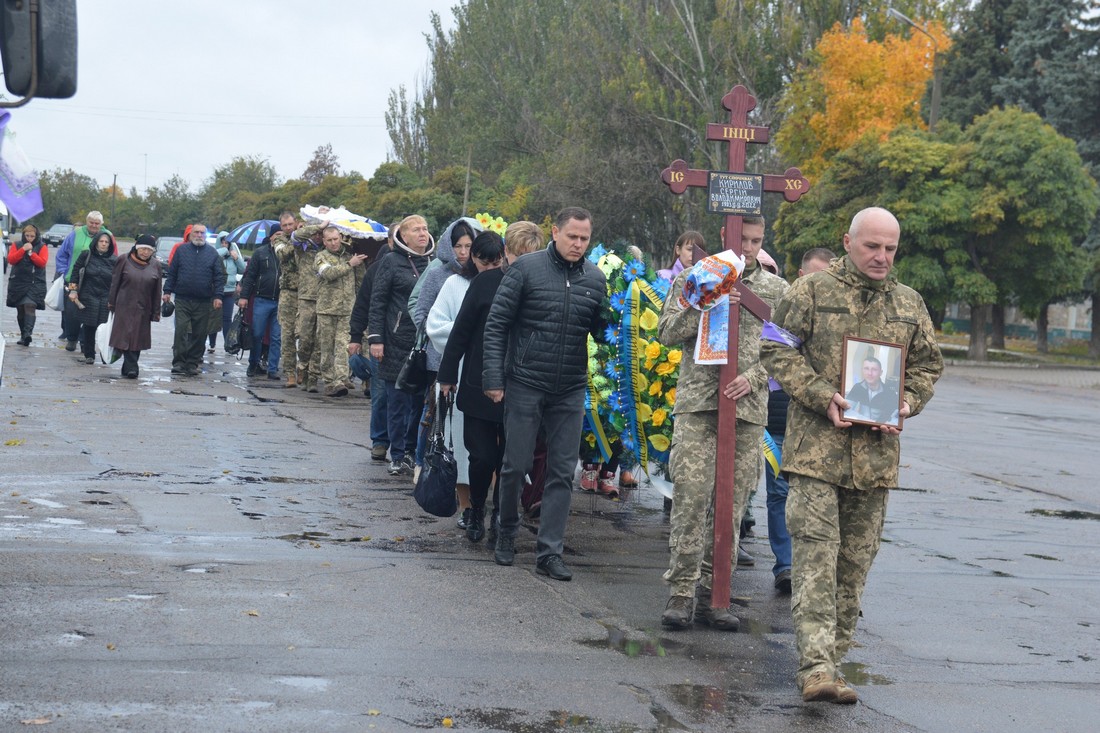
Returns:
<point x="697" y="386"/>
<point x="335" y="283"/>
<point x="821" y="309"/>
<point x="288" y="263"/>
<point x="307" y="280"/>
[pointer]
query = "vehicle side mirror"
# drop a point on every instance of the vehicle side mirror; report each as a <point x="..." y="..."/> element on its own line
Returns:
<point x="38" y="48"/>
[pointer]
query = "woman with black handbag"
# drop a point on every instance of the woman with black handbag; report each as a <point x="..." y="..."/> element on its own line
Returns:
<point x="89" y="287"/>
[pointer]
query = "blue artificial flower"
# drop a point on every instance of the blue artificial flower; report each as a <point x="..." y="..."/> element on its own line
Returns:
<point x="627" y="440"/>
<point x="618" y="301"/>
<point x="597" y="252"/>
<point x="633" y="269"/>
<point x="611" y="334"/>
<point x="661" y="286"/>
<point x="612" y="370"/>
<point x="616" y="401"/>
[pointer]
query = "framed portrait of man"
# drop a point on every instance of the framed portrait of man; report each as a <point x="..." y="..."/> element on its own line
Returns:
<point x="873" y="381"/>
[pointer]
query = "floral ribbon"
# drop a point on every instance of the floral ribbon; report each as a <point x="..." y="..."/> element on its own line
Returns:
<point x="592" y="417"/>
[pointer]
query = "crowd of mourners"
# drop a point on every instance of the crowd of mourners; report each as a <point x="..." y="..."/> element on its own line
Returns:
<point x="506" y="324"/>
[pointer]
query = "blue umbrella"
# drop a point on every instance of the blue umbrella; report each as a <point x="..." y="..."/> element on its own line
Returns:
<point x="252" y="233"/>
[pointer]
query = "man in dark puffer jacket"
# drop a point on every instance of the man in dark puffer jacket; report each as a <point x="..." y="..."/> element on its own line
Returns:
<point x="536" y="354"/>
<point x="196" y="276"/>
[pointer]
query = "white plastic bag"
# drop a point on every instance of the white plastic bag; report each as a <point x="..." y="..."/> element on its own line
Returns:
<point x="55" y="294"/>
<point x="103" y="341"/>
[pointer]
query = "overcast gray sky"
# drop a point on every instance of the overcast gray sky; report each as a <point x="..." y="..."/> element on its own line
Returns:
<point x="183" y="87"/>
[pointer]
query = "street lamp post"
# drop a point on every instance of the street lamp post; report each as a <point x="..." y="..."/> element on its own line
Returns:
<point x="937" y="66"/>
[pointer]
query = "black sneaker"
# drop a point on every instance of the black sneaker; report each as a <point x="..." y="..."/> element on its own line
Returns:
<point x="505" y="552"/>
<point x="744" y="559"/>
<point x="70" y="346"/>
<point x="464" y="520"/>
<point x="177" y="369"/>
<point x="553" y="566"/>
<point x="396" y="468"/>
<point x="409" y="462"/>
<point x="191" y="371"/>
<point x="253" y="370"/>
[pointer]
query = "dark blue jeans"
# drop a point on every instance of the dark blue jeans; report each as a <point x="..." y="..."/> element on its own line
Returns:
<point x="778" y="536"/>
<point x="560" y="416"/>
<point x="366" y="368"/>
<point x="265" y="312"/>
<point x="402" y="420"/>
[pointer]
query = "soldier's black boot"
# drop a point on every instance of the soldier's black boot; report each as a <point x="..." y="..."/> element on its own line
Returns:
<point x="716" y="618"/>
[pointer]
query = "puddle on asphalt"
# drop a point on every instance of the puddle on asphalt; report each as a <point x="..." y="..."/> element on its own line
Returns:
<point x="1065" y="514"/>
<point x="97" y="502"/>
<point x="618" y="641"/>
<point x="857" y="674"/>
<point x="759" y="628"/>
<point x="700" y="699"/>
<point x="519" y="721"/>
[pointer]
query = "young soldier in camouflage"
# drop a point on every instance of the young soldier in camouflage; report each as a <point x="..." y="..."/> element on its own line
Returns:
<point x="695" y="436"/>
<point x="335" y="270"/>
<point x="307" y="241"/>
<point x="839" y="472"/>
<point x="288" y="295"/>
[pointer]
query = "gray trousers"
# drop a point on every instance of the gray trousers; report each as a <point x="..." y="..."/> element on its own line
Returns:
<point x="526" y="410"/>
<point x="192" y="325"/>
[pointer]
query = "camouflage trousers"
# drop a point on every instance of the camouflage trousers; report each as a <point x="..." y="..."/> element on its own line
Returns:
<point x="835" y="535"/>
<point x="288" y="323"/>
<point x="331" y="347"/>
<point x="309" y="358"/>
<point x="692" y="464"/>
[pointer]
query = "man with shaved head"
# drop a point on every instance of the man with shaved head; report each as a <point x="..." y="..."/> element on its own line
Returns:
<point x="840" y="472"/>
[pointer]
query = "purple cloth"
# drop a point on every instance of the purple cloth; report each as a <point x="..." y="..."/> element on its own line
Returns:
<point x="671" y="273"/>
<point x="18" y="180"/>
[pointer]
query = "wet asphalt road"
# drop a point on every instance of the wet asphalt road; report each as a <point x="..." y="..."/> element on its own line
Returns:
<point x="217" y="553"/>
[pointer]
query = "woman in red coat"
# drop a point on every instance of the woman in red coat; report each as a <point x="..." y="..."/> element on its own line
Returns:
<point x="27" y="281"/>
<point x="134" y="298"/>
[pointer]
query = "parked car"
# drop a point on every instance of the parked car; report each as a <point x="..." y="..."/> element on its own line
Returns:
<point x="164" y="248"/>
<point x="56" y="234"/>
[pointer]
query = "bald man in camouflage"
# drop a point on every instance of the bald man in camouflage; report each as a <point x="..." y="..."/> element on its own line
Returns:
<point x="841" y="473"/>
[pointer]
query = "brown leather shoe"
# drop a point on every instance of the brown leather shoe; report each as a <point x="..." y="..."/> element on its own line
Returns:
<point x="291" y="381"/>
<point x="845" y="693"/>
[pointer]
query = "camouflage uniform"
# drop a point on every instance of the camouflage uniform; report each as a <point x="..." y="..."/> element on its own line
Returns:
<point x="288" y="302"/>
<point x="335" y="298"/>
<point x="308" y="356"/>
<point x="840" y="478"/>
<point x="695" y="432"/>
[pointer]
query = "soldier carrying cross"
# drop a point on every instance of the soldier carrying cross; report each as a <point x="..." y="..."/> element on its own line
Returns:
<point x="711" y="494"/>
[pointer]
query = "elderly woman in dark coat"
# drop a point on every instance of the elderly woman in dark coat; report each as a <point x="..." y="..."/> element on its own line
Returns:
<point x="135" y="300"/>
<point x="27" y="281"/>
<point x="89" y="284"/>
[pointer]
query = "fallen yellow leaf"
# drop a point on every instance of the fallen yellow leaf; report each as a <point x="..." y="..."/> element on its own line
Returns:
<point x="372" y="711"/>
<point x="253" y="613"/>
<point x="15" y="493"/>
<point x="36" y="721"/>
<point x="15" y="441"/>
<point x="111" y="647"/>
<point x="448" y="723"/>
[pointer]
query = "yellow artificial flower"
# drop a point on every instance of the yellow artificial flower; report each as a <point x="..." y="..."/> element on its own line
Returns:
<point x="659" y="416"/>
<point x="642" y="385"/>
<point x="591" y="440"/>
<point x="674" y="356"/>
<point x="659" y="442"/>
<point x="657" y="388"/>
<point x="649" y="363"/>
<point x="499" y="226"/>
<point x="670" y="397"/>
<point x="644" y="412"/>
<point x="484" y="220"/>
<point x="653" y="350"/>
<point x="648" y="321"/>
<point x="665" y="368"/>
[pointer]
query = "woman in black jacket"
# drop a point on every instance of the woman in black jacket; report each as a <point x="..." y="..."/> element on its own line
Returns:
<point x="27" y="281"/>
<point x="89" y="288"/>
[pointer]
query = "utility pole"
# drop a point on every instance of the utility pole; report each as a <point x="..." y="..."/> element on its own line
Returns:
<point x="937" y="66"/>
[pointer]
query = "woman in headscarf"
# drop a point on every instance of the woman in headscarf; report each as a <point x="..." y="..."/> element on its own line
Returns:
<point x="89" y="284"/>
<point x="134" y="298"/>
<point x="27" y="281"/>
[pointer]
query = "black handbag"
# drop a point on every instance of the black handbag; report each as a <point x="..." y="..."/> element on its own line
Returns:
<point x="239" y="338"/>
<point x="435" y="487"/>
<point x="413" y="377"/>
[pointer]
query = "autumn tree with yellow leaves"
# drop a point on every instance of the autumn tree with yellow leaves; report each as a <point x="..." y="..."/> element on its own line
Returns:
<point x="854" y="86"/>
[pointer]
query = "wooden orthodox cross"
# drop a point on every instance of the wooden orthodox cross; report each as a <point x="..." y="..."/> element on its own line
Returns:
<point x="735" y="194"/>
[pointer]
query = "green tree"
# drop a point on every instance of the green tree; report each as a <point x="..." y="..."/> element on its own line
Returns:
<point x="67" y="197"/>
<point x="324" y="163"/>
<point x="172" y="206"/>
<point x="231" y="195"/>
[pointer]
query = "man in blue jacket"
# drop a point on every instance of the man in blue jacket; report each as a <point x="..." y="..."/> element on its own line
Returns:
<point x="196" y="277"/>
<point x="536" y="360"/>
